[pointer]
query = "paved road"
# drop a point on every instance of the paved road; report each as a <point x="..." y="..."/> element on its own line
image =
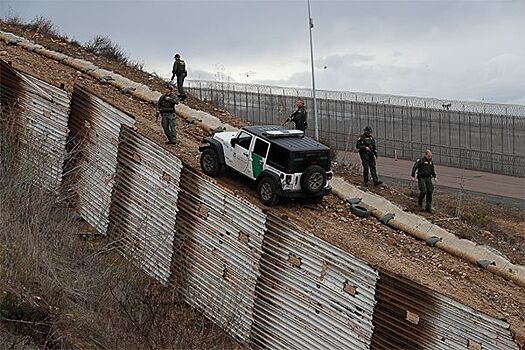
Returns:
<point x="469" y="180"/>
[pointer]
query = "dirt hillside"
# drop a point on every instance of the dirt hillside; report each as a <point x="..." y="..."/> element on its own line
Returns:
<point x="331" y="220"/>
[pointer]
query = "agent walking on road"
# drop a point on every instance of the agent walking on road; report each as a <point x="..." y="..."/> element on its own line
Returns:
<point x="366" y="145"/>
<point x="299" y="117"/>
<point x="166" y="108"/>
<point x="179" y="70"/>
<point x="425" y="172"/>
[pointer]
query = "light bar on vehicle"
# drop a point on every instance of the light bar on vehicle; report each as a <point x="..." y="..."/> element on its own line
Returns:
<point x="283" y="133"/>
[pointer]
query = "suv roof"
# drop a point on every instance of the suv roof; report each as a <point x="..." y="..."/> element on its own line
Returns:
<point x="293" y="144"/>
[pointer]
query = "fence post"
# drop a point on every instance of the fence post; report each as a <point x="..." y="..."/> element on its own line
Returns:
<point x="246" y="97"/>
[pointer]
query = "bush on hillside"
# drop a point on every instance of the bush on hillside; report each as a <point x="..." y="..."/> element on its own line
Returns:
<point x="104" y="46"/>
<point x="43" y="25"/>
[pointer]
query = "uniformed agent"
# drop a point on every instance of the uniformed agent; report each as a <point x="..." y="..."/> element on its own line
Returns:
<point x="299" y="117"/>
<point x="179" y="71"/>
<point x="166" y="108"/>
<point x="424" y="168"/>
<point x="366" y="145"/>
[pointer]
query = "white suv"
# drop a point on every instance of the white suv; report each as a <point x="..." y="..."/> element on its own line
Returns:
<point x="284" y="163"/>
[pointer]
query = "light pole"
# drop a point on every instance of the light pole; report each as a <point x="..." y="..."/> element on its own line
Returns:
<point x="310" y="27"/>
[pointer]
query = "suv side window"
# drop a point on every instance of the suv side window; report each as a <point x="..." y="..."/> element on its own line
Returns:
<point x="260" y="148"/>
<point x="277" y="157"/>
<point x="244" y="140"/>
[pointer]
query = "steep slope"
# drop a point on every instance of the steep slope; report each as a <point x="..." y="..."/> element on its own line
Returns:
<point x="331" y="221"/>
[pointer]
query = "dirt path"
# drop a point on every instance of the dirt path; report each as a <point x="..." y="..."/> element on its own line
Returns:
<point x="379" y="245"/>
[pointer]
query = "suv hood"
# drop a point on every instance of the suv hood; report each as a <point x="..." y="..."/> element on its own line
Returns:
<point x="224" y="137"/>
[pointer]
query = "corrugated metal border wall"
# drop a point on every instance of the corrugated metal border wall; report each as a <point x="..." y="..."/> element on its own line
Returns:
<point x="144" y="205"/>
<point x="265" y="281"/>
<point x="410" y="316"/>
<point x="95" y="128"/>
<point x="311" y="295"/>
<point x="42" y="127"/>
<point x="218" y="253"/>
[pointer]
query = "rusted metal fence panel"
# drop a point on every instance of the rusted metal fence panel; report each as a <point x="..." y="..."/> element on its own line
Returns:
<point x="92" y="154"/>
<point x="411" y="316"/>
<point x="144" y="205"/>
<point x="41" y="111"/>
<point x="311" y="295"/>
<point x="218" y="249"/>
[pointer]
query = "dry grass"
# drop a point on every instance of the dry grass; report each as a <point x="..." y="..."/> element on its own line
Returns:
<point x="44" y="26"/>
<point x="61" y="291"/>
<point x="105" y="47"/>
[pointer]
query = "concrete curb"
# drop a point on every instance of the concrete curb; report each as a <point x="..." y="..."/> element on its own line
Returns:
<point x="421" y="228"/>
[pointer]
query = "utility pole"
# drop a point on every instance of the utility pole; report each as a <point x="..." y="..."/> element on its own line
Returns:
<point x="310" y="27"/>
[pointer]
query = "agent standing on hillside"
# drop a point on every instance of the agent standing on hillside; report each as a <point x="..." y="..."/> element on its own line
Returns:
<point x="179" y="70"/>
<point x="425" y="172"/>
<point x="166" y="108"/>
<point x="300" y="116"/>
<point x="366" y="145"/>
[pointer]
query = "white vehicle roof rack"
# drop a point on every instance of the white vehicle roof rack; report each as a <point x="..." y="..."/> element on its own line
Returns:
<point x="283" y="133"/>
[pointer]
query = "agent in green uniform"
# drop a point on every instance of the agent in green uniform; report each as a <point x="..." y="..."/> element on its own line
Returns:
<point x="166" y="108"/>
<point x="366" y="145"/>
<point x="424" y="168"/>
<point x="179" y="70"/>
<point x="300" y="116"/>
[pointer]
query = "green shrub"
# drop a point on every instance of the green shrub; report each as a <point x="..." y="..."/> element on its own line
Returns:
<point x="105" y="47"/>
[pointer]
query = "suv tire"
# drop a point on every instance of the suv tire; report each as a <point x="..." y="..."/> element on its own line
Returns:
<point x="210" y="162"/>
<point x="313" y="179"/>
<point x="267" y="190"/>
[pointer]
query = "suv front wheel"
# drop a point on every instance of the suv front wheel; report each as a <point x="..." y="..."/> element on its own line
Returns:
<point x="210" y="162"/>
<point x="313" y="179"/>
<point x="267" y="190"/>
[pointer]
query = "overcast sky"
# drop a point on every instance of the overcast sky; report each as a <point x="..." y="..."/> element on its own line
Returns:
<point x="472" y="50"/>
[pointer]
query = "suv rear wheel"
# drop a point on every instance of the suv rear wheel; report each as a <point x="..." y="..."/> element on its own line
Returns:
<point x="313" y="179"/>
<point x="210" y="162"/>
<point x="267" y="190"/>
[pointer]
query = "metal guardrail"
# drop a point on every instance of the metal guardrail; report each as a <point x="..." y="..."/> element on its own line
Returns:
<point x="42" y="126"/>
<point x="144" y="203"/>
<point x="410" y="316"/>
<point x="490" y="137"/>
<point x="263" y="280"/>
<point x="95" y="127"/>
<point x="311" y="295"/>
<point x="218" y="253"/>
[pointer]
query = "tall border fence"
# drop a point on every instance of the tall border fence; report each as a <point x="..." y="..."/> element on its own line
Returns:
<point x="265" y="281"/>
<point x="471" y="135"/>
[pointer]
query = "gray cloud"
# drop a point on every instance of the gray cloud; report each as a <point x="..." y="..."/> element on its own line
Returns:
<point x="460" y="50"/>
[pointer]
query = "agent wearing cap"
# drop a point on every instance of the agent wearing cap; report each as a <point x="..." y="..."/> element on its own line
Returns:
<point x="166" y="108"/>
<point x="424" y="167"/>
<point x="179" y="70"/>
<point x="366" y="145"/>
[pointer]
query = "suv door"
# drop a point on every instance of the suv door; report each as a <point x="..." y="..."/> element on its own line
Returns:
<point x="241" y="154"/>
<point x="259" y="154"/>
